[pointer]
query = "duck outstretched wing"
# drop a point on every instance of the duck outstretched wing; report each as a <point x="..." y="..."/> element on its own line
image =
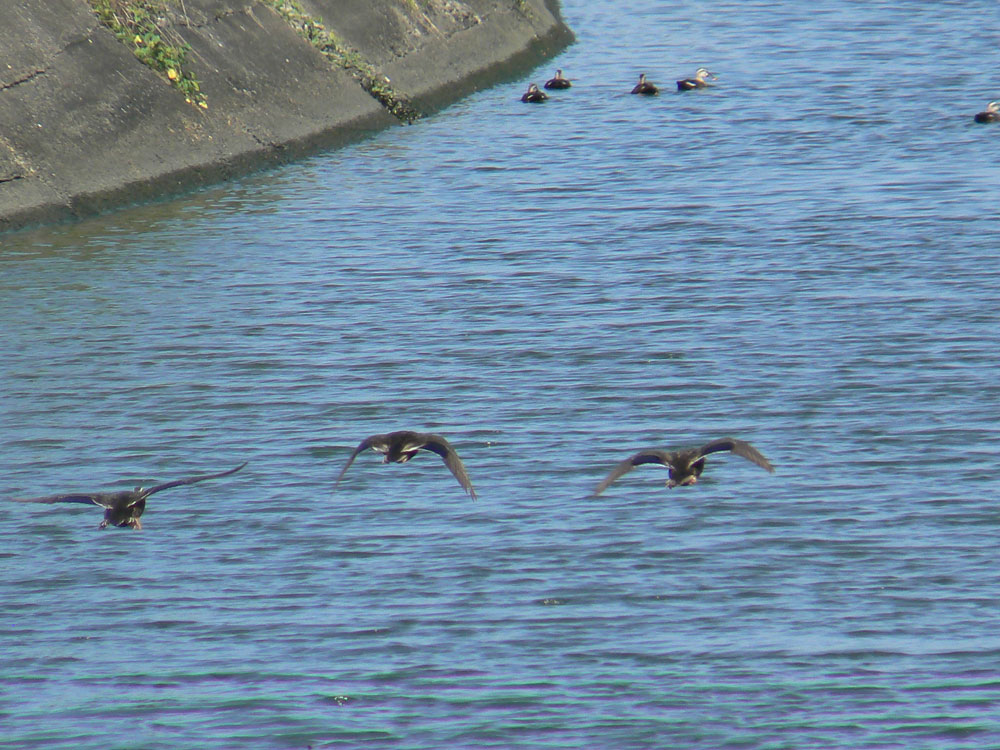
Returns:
<point x="740" y="448"/>
<point x="647" y="456"/>
<point x="191" y="480"/>
<point x="364" y="445"/>
<point x="437" y="444"/>
<point x="74" y="497"/>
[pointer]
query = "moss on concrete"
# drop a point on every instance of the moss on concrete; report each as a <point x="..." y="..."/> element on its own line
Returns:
<point x="141" y="26"/>
<point x="338" y="53"/>
<point x="85" y="126"/>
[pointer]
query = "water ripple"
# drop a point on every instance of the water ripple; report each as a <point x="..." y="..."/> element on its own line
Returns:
<point x="801" y="257"/>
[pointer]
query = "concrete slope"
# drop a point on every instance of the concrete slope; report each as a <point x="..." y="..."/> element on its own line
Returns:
<point x="85" y="126"/>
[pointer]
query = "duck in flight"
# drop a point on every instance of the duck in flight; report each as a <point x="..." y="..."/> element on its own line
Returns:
<point x="534" y="94"/>
<point x="558" y="82"/>
<point x="645" y="87"/>
<point x="399" y="447"/>
<point x="685" y="465"/>
<point x="698" y="82"/>
<point x="990" y="114"/>
<point x="123" y="508"/>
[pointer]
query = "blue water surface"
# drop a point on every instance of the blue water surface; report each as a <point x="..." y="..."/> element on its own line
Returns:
<point x="803" y="256"/>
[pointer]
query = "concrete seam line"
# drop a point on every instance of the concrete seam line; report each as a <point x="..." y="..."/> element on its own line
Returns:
<point x="333" y="49"/>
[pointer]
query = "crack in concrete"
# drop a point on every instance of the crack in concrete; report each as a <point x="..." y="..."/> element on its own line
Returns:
<point x="31" y="75"/>
<point x="24" y="79"/>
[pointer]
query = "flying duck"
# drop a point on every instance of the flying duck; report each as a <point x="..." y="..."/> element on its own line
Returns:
<point x="558" y="82"/>
<point x="123" y="508"/>
<point x="685" y="465"/>
<point x="990" y="114"/>
<point x="399" y="447"/>
<point x="645" y="87"/>
<point x="534" y="94"/>
<point x="698" y="82"/>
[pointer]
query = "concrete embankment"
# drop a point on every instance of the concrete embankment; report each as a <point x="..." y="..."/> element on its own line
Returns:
<point x="86" y="126"/>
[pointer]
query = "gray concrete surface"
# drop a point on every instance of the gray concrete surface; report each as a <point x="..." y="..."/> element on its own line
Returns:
<point x="85" y="126"/>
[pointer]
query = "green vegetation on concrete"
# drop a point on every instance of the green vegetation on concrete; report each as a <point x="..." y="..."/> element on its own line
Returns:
<point x="105" y="133"/>
<point x="340" y="55"/>
<point x="140" y="24"/>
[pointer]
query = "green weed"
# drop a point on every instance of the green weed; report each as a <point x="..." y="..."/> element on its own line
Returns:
<point x="343" y="57"/>
<point x="141" y="24"/>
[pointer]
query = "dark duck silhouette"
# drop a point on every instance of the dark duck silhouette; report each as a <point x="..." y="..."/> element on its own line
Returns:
<point x="645" y="87"/>
<point x="685" y="465"/>
<point x="990" y="114"/>
<point x="698" y="82"/>
<point x="399" y="447"/>
<point x="124" y="508"/>
<point x="534" y="94"/>
<point x="558" y="82"/>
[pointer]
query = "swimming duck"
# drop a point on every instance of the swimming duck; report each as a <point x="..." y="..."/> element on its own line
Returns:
<point x="123" y="508"/>
<point x="399" y="447"/>
<point x="698" y="82"/>
<point x="990" y="114"/>
<point x="534" y="94"/>
<point x="685" y="465"/>
<point x="558" y="82"/>
<point x="645" y="87"/>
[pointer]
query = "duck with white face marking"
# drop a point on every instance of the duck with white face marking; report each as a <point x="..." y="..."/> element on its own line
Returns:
<point x="558" y="82"/>
<point x="990" y="114"/>
<point x="534" y="94"/>
<point x="699" y="81"/>
<point x="123" y="508"/>
<point x="644" y="87"/>
<point x="402" y="445"/>
<point x="685" y="465"/>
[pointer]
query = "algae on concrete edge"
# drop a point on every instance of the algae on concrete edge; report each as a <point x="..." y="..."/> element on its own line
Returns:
<point x="140" y="24"/>
<point x="313" y="30"/>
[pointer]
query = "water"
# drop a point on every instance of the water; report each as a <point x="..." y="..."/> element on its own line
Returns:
<point x="803" y="256"/>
